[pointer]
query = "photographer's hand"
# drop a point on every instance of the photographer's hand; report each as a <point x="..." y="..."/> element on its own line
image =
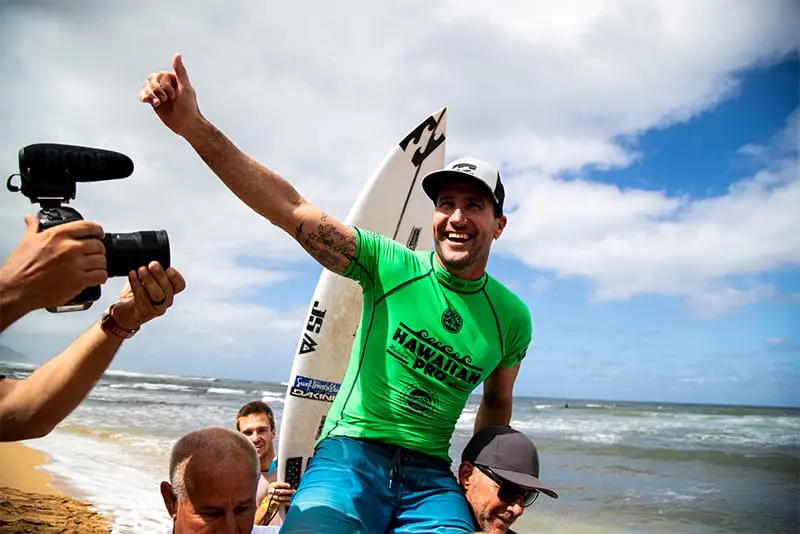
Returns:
<point x="30" y="408"/>
<point x="147" y="294"/>
<point x="48" y="268"/>
<point x="173" y="98"/>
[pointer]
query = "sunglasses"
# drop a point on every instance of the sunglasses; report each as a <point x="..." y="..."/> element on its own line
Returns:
<point x="509" y="492"/>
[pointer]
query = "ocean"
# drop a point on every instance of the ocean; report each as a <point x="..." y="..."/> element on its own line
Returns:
<point x="619" y="467"/>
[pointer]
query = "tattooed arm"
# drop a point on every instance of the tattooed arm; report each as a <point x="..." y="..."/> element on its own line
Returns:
<point x="174" y="100"/>
<point x="329" y="241"/>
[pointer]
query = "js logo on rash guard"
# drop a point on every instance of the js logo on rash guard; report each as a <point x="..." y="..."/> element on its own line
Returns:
<point x="420" y="399"/>
<point x="452" y="321"/>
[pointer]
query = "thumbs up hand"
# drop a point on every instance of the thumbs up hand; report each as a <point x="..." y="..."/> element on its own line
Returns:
<point x="172" y="96"/>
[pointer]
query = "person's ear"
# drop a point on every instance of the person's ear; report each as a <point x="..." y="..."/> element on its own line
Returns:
<point x="465" y="475"/>
<point x="501" y="225"/>
<point x="170" y="500"/>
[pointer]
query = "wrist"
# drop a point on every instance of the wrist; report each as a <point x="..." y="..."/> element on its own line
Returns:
<point x="14" y="303"/>
<point x="110" y="324"/>
<point x="123" y="319"/>
<point x="196" y="129"/>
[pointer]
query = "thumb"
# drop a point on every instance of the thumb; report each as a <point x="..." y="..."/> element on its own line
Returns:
<point x="31" y="224"/>
<point x="180" y="71"/>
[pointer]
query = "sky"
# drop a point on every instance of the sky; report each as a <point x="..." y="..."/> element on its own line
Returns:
<point x="649" y="152"/>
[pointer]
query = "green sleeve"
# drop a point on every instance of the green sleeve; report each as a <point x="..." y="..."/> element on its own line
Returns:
<point x="371" y="249"/>
<point x="519" y="336"/>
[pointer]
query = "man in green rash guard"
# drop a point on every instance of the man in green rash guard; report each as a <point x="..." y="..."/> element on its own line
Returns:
<point x="434" y="326"/>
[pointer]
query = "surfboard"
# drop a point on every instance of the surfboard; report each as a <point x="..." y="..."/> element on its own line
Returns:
<point x="394" y="204"/>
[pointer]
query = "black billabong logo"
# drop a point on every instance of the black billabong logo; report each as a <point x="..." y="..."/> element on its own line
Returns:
<point x="431" y="144"/>
<point x="468" y="168"/>
<point x="421" y="399"/>
<point x="452" y="321"/>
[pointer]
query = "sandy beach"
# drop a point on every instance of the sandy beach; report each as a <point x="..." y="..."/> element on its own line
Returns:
<point x="29" y="503"/>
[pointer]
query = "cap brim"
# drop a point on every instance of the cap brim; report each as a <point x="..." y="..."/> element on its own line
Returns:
<point x="433" y="181"/>
<point x="525" y="481"/>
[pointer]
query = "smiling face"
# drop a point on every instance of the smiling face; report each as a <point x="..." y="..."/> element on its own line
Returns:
<point x="464" y="226"/>
<point x="491" y="513"/>
<point x="258" y="429"/>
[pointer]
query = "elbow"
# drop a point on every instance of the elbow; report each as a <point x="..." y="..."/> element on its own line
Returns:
<point x="23" y="432"/>
<point x="18" y="427"/>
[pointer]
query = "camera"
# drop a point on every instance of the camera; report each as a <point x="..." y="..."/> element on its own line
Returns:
<point x="48" y="175"/>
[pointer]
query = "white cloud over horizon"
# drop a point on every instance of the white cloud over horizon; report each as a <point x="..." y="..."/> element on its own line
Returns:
<point x="321" y="95"/>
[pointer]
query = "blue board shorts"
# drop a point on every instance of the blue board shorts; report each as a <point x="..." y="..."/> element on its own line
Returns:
<point x="355" y="485"/>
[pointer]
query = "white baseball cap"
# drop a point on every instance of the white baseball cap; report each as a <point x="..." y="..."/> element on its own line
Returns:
<point x="469" y="169"/>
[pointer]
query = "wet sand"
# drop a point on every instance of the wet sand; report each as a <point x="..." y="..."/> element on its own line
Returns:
<point x="29" y="502"/>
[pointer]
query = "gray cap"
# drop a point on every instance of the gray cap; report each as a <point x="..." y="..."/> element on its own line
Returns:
<point x="510" y="454"/>
<point x="469" y="169"/>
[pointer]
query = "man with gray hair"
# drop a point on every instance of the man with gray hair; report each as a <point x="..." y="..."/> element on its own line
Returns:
<point x="213" y="476"/>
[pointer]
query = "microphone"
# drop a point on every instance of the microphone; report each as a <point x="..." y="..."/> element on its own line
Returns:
<point x="81" y="164"/>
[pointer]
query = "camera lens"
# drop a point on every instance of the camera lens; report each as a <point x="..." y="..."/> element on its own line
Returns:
<point x="128" y="252"/>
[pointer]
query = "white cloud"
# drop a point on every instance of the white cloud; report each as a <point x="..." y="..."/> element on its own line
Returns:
<point x="631" y="242"/>
<point x="321" y="93"/>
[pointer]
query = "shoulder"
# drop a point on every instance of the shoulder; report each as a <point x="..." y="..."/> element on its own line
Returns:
<point x="386" y="248"/>
<point x="502" y="297"/>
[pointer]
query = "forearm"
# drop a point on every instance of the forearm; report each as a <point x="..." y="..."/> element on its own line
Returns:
<point x="12" y="298"/>
<point x="37" y="404"/>
<point x="12" y="306"/>
<point x="493" y="412"/>
<point x="265" y="191"/>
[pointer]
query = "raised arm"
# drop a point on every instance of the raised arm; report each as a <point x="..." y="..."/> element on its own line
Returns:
<point x="498" y="398"/>
<point x="174" y="100"/>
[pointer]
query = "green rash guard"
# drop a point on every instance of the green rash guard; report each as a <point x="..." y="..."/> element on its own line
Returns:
<point x="425" y="341"/>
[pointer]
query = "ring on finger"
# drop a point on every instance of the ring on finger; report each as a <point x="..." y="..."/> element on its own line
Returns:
<point x="158" y="302"/>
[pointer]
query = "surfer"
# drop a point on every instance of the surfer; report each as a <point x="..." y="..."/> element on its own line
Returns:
<point x="434" y="325"/>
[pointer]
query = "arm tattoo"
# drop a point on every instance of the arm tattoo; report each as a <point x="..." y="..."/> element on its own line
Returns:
<point x="333" y="249"/>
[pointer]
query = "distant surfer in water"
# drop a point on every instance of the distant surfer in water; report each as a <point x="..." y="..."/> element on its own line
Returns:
<point x="434" y="326"/>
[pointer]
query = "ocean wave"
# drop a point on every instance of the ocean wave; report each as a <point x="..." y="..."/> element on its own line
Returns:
<point x="132" y="374"/>
<point x="99" y="477"/>
<point x="784" y="461"/>
<point x="152" y="386"/>
<point x="226" y="391"/>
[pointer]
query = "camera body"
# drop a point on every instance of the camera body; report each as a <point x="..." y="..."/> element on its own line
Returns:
<point x="48" y="175"/>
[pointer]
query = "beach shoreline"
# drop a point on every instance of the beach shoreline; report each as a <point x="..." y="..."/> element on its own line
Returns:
<point x="29" y="502"/>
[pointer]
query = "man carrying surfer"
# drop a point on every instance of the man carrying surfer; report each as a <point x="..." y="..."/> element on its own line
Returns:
<point x="381" y="462"/>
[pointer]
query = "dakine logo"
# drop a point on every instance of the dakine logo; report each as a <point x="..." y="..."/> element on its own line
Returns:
<point x="421" y="399"/>
<point x="416" y="349"/>
<point x="452" y="321"/>
<point x="313" y="325"/>
<point x="431" y="144"/>
<point x="413" y="238"/>
<point x="311" y="388"/>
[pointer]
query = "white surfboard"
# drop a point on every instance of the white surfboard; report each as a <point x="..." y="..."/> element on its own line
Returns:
<point x="394" y="204"/>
